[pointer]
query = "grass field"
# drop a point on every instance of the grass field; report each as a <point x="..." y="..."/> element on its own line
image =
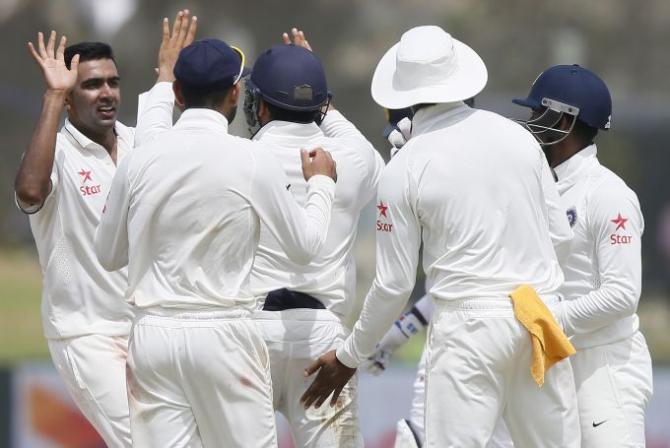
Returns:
<point x="20" y="323"/>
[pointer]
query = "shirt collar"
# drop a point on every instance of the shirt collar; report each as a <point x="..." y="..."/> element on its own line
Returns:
<point x="571" y="167"/>
<point x="277" y="129"/>
<point x="198" y="118"/>
<point x="437" y="116"/>
<point x="122" y="132"/>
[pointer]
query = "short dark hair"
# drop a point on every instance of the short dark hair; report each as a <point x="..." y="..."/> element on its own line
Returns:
<point x="209" y="98"/>
<point x="294" y="116"/>
<point x="584" y="133"/>
<point x="88" y="51"/>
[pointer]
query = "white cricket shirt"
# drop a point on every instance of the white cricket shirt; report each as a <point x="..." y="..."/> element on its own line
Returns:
<point x="603" y="272"/>
<point x="331" y="275"/>
<point x="477" y="190"/>
<point x="79" y="296"/>
<point x="184" y="213"/>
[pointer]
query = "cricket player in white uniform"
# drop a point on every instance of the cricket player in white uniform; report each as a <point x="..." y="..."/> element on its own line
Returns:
<point x="612" y="366"/>
<point x="307" y="304"/>
<point x="304" y="307"/>
<point x="410" y="432"/>
<point x="184" y="213"/>
<point x="62" y="184"/>
<point x="477" y="190"/>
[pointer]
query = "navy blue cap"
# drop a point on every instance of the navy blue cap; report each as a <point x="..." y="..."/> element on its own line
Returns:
<point x="290" y="77"/>
<point x="209" y="63"/>
<point x="574" y="86"/>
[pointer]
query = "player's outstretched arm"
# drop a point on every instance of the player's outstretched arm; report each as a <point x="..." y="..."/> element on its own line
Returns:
<point x="33" y="179"/>
<point x="182" y="35"/>
<point x="155" y="108"/>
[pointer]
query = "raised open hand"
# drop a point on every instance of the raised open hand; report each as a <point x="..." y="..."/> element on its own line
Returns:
<point x="299" y="39"/>
<point x="182" y="35"/>
<point x="56" y="75"/>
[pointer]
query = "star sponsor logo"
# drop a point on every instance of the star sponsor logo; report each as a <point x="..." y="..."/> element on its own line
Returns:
<point x="382" y="209"/>
<point x="620" y="222"/>
<point x="383" y="226"/>
<point x="615" y="238"/>
<point x="88" y="190"/>
<point x="86" y="175"/>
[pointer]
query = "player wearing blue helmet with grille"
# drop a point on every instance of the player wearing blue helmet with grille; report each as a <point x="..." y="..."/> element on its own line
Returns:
<point x="306" y="309"/>
<point x="612" y="366"/>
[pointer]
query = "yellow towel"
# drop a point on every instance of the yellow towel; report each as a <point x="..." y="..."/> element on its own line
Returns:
<point x="550" y="344"/>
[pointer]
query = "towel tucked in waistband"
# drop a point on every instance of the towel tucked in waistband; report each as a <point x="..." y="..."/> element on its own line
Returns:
<point x="550" y="344"/>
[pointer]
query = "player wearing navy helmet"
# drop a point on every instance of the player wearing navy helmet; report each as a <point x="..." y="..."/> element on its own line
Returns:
<point x="306" y="308"/>
<point x="612" y="367"/>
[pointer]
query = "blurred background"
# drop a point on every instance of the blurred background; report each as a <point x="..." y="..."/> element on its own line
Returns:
<point x="626" y="43"/>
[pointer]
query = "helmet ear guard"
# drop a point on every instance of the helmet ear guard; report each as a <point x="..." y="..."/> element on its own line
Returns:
<point x="252" y="100"/>
<point x="545" y="127"/>
<point x="323" y="110"/>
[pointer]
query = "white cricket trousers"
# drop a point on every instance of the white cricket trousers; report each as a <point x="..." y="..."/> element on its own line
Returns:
<point x="614" y="385"/>
<point x="500" y="438"/>
<point x="295" y="338"/>
<point x="478" y="366"/>
<point x="199" y="379"/>
<point x="93" y="368"/>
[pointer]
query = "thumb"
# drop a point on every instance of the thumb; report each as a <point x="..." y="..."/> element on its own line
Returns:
<point x="304" y="157"/>
<point x="312" y="368"/>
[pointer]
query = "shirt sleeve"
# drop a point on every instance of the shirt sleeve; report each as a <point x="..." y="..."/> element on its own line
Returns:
<point x="398" y="242"/>
<point x="154" y="112"/>
<point x="616" y="224"/>
<point x="111" y="236"/>
<point x="559" y="226"/>
<point x="301" y="232"/>
<point x="336" y="125"/>
<point x="31" y="209"/>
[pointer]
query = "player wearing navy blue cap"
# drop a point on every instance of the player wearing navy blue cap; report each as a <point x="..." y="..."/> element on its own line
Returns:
<point x="184" y="213"/>
<point x="306" y="309"/>
<point x="602" y="286"/>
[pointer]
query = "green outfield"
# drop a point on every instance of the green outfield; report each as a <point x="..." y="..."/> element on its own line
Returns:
<point x="20" y="324"/>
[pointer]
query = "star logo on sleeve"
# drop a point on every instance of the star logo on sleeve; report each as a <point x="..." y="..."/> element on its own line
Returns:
<point x="85" y="174"/>
<point x="620" y="222"/>
<point x="382" y="224"/>
<point x="382" y="209"/>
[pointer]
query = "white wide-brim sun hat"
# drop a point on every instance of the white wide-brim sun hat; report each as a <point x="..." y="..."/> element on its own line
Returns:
<point x="427" y="66"/>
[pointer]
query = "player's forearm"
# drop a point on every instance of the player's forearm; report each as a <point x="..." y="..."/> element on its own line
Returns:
<point x="33" y="182"/>
<point x="381" y="307"/>
<point x="600" y="308"/>
<point x="155" y="111"/>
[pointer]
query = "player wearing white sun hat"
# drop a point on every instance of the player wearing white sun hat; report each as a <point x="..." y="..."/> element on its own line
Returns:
<point x="476" y="189"/>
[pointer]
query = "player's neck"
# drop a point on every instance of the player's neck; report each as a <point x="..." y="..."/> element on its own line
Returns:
<point x="561" y="151"/>
<point x="105" y="137"/>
